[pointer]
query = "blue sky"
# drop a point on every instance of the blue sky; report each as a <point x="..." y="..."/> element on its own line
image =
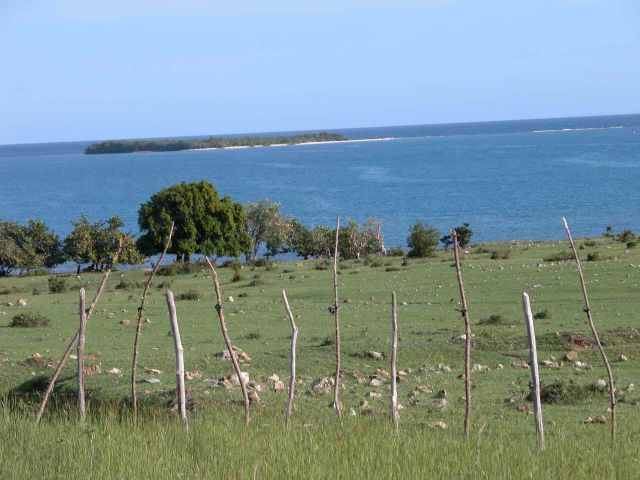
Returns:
<point x="79" y="70"/>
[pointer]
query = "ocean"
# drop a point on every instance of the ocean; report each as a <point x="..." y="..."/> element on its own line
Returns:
<point x="509" y="180"/>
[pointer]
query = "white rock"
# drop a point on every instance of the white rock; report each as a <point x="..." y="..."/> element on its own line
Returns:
<point x="152" y="380"/>
<point x="273" y="378"/>
<point x="235" y="381"/>
<point x="375" y="382"/>
<point x="115" y="371"/>
<point x="231" y="300"/>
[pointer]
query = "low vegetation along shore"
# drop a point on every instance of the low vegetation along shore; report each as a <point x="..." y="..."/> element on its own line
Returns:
<point x="130" y="146"/>
<point x="40" y="318"/>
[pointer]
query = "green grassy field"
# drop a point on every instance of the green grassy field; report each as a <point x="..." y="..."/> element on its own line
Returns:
<point x="218" y="445"/>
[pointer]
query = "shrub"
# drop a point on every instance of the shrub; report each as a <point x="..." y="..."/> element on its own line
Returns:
<point x="29" y="320"/>
<point x="500" y="255"/>
<point x="559" y="257"/>
<point x="323" y="265"/>
<point x="125" y="283"/>
<point x="625" y="236"/>
<point x="563" y="392"/>
<point x="57" y="285"/>
<point x="396" y="252"/>
<point x="237" y="271"/>
<point x="243" y="295"/>
<point x="542" y="314"/>
<point x="38" y="272"/>
<point x="632" y="244"/>
<point x="164" y="284"/>
<point x="593" y="256"/>
<point x="190" y="295"/>
<point x="35" y="291"/>
<point x="422" y="240"/>
<point x="464" y="234"/>
<point x="392" y="269"/>
<point x="374" y="262"/>
<point x="8" y="290"/>
<point x="256" y="282"/>
<point x="590" y="243"/>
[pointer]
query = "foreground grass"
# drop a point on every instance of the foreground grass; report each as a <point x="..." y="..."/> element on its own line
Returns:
<point x="219" y="446"/>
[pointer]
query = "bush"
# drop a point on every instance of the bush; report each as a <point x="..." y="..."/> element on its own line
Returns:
<point x="323" y="265"/>
<point x="493" y="319"/>
<point x="8" y="290"/>
<point x="632" y="244"/>
<point x="57" y="285"/>
<point x="464" y="234"/>
<point x="256" y="282"/>
<point x="563" y="392"/>
<point x="542" y="314"/>
<point x="237" y="270"/>
<point x="164" y="284"/>
<point x="181" y="268"/>
<point x="29" y="320"/>
<point x="392" y="269"/>
<point x="625" y="236"/>
<point x="594" y="256"/>
<point x="396" y="252"/>
<point x="500" y="255"/>
<point x="190" y="295"/>
<point x="559" y="257"/>
<point x="38" y="272"/>
<point x="422" y="240"/>
<point x="373" y="262"/>
<point x="125" y="283"/>
<point x="590" y="243"/>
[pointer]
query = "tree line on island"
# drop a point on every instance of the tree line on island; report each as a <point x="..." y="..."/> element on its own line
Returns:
<point x="204" y="224"/>
<point x="130" y="146"/>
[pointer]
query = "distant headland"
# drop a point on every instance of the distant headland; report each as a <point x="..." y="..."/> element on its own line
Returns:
<point x="131" y="146"/>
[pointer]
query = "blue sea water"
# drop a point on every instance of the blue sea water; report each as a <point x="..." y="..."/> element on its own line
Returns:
<point x="509" y="180"/>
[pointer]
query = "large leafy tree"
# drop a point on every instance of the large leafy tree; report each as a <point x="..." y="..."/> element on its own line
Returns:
<point x="96" y="243"/>
<point x="266" y="225"/>
<point x="204" y="223"/>
<point x="24" y="248"/>
<point x="464" y="234"/>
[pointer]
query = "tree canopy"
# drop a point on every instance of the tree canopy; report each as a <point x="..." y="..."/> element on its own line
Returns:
<point x="204" y="223"/>
<point x="24" y="248"/>
<point x="422" y="240"/>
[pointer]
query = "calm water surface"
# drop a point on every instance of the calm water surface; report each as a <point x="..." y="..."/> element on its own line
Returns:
<point x="510" y="180"/>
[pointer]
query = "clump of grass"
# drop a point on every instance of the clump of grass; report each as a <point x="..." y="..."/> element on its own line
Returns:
<point x="493" y="319"/>
<point x="396" y="252"/>
<point x="8" y="290"/>
<point x="57" y="285"/>
<point x="374" y="263"/>
<point x="164" y="284"/>
<point x="29" y="320"/>
<point x="590" y="243"/>
<point x="253" y="336"/>
<point x="632" y="244"/>
<point x="542" y="314"/>
<point x="126" y="283"/>
<point x="256" y="282"/>
<point x="323" y="265"/>
<point x="190" y="295"/>
<point x="243" y="295"/>
<point x="237" y="270"/>
<point x="392" y="269"/>
<point x="328" y="341"/>
<point x="181" y="268"/>
<point x="35" y="291"/>
<point x="626" y="236"/>
<point x="559" y="257"/>
<point x="568" y="392"/>
<point x="38" y="272"/>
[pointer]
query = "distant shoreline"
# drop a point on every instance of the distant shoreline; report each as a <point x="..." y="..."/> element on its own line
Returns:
<point x="353" y="140"/>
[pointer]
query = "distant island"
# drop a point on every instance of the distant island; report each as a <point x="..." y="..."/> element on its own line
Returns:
<point x="130" y="146"/>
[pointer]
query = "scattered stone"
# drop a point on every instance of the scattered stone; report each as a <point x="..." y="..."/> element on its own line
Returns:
<point x="352" y="412"/>
<point x="225" y="383"/>
<point x="375" y="382"/>
<point x="623" y="358"/>
<point x="153" y="371"/>
<point x="152" y="380"/>
<point x="374" y="395"/>
<point x="438" y="424"/>
<point x="480" y="368"/>
<point x="424" y="389"/>
<point x="21" y="302"/>
<point x="240" y="354"/>
<point x="375" y="355"/>
<point x="125" y="322"/>
<point x="382" y="373"/>
<point x="231" y="300"/>
<point x="601" y="419"/>
<point x="92" y="370"/>
<point x="322" y="386"/>
<point x="600" y="384"/>
<point x="279" y="386"/>
<point x="444" y="368"/>
<point x="519" y="364"/>
<point x="2" y="314"/>
<point x="440" y="405"/>
<point x="441" y="394"/>
<point x="499" y="366"/>
<point x="236" y="381"/>
<point x="365" y="408"/>
<point x="254" y="398"/>
<point x="193" y="374"/>
<point x="571" y="356"/>
<point x="9" y="304"/>
<point x="588" y="420"/>
<point x="273" y="379"/>
<point x="631" y="387"/>
<point x="523" y="407"/>
<point x="579" y="340"/>
<point x="115" y="371"/>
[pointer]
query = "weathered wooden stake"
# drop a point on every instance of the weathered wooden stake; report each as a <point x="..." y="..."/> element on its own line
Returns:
<point x="227" y="340"/>
<point x="535" y="371"/>
<point x="136" y="342"/>
<point x="294" y="339"/>
<point x="177" y="343"/>
<point x="587" y="310"/>
<point x="394" y="355"/>
<point x="81" y="339"/>
<point x="65" y="355"/>
<point x="467" y="349"/>
<point x="336" y="313"/>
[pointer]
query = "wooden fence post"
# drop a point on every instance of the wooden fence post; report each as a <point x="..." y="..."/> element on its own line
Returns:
<point x="467" y="324"/>
<point x="177" y="343"/>
<point x="587" y="310"/>
<point x="535" y="371"/>
<point x="81" y="341"/>
<point x="336" y="313"/>
<point x="227" y="339"/>
<point x="136" y="342"/>
<point x="294" y="339"/>
<point x="394" y="355"/>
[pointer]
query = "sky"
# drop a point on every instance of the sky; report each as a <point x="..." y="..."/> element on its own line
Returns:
<point x="106" y="69"/>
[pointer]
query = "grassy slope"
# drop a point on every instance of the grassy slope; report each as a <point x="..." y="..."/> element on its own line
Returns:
<point x="428" y="323"/>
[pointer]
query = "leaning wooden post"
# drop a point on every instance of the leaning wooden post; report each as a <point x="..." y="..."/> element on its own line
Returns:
<point x="294" y="339"/>
<point x="336" y="312"/>
<point x="394" y="355"/>
<point x="177" y="343"/>
<point x="65" y="355"/>
<point x="227" y="339"/>
<point x="467" y="325"/>
<point x="535" y="371"/>
<point x="136" y="342"/>
<point x="587" y="310"/>
<point x="81" y="338"/>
